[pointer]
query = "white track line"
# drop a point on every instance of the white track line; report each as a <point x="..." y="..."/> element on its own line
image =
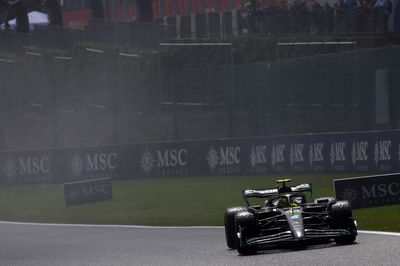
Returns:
<point x="379" y="233"/>
<point x="114" y="225"/>
<point x="162" y="227"/>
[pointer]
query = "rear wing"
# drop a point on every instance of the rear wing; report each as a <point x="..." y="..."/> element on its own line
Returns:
<point x="266" y="193"/>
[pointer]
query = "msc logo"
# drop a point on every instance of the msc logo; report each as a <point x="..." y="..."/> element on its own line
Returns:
<point x="77" y="165"/>
<point x="359" y="152"/>
<point x="26" y="166"/>
<point x="96" y="189"/>
<point x="258" y="155"/>
<point x="380" y="190"/>
<point x="93" y="162"/>
<point x="224" y="156"/>
<point x="10" y="169"/>
<point x="349" y="194"/>
<point x="382" y="151"/>
<point x="337" y="153"/>
<point x="212" y="158"/>
<point x="296" y="153"/>
<point x="168" y="158"/>
<point x="278" y="154"/>
<point x="147" y="162"/>
<point x="316" y="152"/>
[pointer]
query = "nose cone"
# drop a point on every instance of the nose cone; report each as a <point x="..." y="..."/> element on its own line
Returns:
<point x="295" y="221"/>
<point x="298" y="234"/>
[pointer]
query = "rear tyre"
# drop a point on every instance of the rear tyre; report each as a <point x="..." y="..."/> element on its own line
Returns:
<point x="230" y="228"/>
<point x="246" y="226"/>
<point x="329" y="201"/>
<point x="342" y="218"/>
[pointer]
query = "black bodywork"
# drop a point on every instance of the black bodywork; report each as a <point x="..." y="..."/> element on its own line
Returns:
<point x="290" y="218"/>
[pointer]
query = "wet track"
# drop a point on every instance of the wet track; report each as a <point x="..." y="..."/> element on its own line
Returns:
<point x="29" y="244"/>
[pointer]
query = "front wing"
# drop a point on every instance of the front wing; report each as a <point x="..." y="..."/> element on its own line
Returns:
<point x="287" y="236"/>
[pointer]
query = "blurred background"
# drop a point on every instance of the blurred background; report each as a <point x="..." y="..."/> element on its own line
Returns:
<point x="86" y="72"/>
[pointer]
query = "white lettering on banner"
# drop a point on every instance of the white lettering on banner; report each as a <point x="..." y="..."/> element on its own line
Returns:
<point x="165" y="159"/>
<point x="296" y="153"/>
<point x="230" y="155"/>
<point x="96" y="190"/>
<point x="382" y="151"/>
<point x="34" y="165"/>
<point x="258" y="155"/>
<point x="226" y="159"/>
<point x="391" y="189"/>
<point x="101" y="161"/>
<point x="337" y="153"/>
<point x="278" y="154"/>
<point x="316" y="152"/>
<point x="380" y="190"/>
<point x="359" y="152"/>
<point x="33" y="169"/>
<point x="368" y="193"/>
<point x="171" y="158"/>
<point x="95" y="165"/>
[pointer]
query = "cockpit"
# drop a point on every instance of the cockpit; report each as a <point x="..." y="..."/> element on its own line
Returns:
<point x="284" y="201"/>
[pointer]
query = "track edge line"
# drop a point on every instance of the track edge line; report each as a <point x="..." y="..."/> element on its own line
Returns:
<point x="161" y="227"/>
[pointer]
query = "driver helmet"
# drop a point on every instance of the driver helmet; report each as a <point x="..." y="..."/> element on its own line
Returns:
<point x="283" y="202"/>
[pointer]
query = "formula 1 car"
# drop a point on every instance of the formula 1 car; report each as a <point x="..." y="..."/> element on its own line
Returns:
<point x="285" y="217"/>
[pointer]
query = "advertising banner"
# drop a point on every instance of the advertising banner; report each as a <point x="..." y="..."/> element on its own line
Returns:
<point x="77" y="164"/>
<point x="88" y="191"/>
<point x="225" y="157"/>
<point x="352" y="152"/>
<point x="27" y="167"/>
<point x="369" y="191"/>
<point x="162" y="159"/>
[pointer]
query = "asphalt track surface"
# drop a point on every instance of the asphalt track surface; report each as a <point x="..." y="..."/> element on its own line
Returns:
<point x="46" y="244"/>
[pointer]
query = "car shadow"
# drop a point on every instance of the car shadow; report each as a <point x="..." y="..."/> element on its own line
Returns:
<point x="288" y="248"/>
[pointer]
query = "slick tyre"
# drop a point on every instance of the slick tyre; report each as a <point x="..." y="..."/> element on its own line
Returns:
<point x="246" y="227"/>
<point x="342" y="218"/>
<point x="230" y="229"/>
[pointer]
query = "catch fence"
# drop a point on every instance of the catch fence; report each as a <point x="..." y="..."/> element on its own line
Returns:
<point x="107" y="97"/>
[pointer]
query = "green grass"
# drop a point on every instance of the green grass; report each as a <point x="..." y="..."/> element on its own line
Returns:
<point x="167" y="201"/>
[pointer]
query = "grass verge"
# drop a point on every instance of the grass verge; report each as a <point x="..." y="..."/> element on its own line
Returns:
<point x="167" y="201"/>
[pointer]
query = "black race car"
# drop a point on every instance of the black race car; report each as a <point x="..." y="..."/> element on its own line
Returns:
<point x="287" y="217"/>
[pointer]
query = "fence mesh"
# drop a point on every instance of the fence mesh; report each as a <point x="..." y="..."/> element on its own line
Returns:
<point x="93" y="98"/>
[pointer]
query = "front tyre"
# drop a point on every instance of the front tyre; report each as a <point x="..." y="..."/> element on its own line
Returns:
<point x="246" y="228"/>
<point x="342" y="218"/>
<point x="230" y="229"/>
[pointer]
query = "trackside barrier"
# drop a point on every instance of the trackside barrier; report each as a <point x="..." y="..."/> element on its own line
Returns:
<point x="369" y="191"/>
<point x="355" y="152"/>
<point x="88" y="191"/>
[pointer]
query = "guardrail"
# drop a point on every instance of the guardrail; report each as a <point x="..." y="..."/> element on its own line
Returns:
<point x="355" y="152"/>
